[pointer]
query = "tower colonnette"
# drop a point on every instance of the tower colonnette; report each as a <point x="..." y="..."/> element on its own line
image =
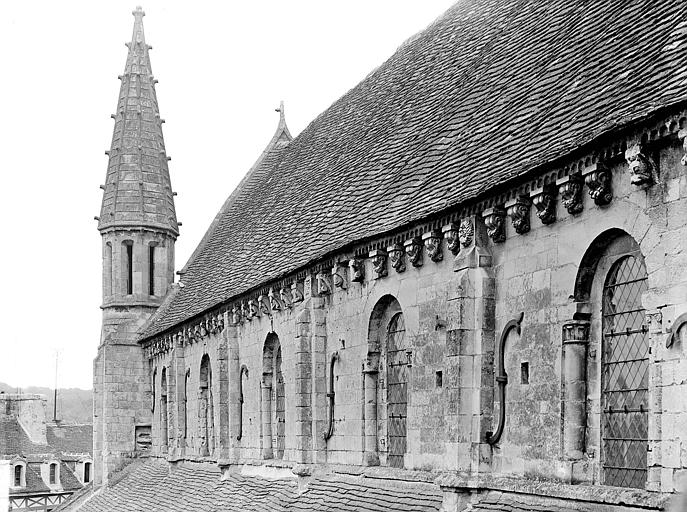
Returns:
<point x="139" y="227"/>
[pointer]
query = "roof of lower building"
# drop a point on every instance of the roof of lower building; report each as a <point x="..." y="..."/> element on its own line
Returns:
<point x="151" y="486"/>
<point x="491" y="91"/>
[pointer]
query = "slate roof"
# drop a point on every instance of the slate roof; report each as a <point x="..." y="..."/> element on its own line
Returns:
<point x="149" y="486"/>
<point x="70" y="438"/>
<point x="138" y="190"/>
<point x="491" y="90"/>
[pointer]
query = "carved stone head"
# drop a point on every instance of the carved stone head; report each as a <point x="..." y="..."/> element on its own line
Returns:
<point x="397" y="257"/>
<point x="379" y="258"/>
<point x="413" y="249"/>
<point x="357" y="268"/>
<point x="432" y="241"/>
<point x="643" y="169"/>
<point x="450" y="232"/>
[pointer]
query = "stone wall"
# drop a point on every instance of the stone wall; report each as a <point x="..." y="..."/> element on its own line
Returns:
<point x="455" y="309"/>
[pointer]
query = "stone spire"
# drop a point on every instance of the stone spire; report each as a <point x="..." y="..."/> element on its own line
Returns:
<point x="138" y="190"/>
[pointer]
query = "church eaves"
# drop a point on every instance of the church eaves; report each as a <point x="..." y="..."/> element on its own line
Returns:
<point x="138" y="190"/>
<point x="489" y="94"/>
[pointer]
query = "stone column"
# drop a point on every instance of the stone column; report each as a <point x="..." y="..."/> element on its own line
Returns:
<point x="314" y="419"/>
<point x="470" y="346"/>
<point x="575" y="341"/>
<point x="266" y="415"/>
<point x="178" y="382"/>
<point x="370" y="371"/>
<point x="223" y="439"/>
<point x="234" y="376"/>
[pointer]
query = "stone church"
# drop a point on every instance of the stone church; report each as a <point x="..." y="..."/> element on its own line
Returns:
<point x="462" y="287"/>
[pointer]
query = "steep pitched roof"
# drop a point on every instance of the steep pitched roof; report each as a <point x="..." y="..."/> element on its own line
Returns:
<point x="71" y="439"/>
<point x="150" y="486"/>
<point x="490" y="91"/>
<point x="138" y="190"/>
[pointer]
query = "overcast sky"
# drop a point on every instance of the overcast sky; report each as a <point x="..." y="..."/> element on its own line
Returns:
<point x="222" y="68"/>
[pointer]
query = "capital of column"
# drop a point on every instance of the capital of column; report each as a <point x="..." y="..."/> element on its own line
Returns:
<point x="575" y="331"/>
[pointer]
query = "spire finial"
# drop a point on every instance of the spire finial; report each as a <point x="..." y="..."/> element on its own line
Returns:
<point x="138" y="12"/>
<point x="280" y="110"/>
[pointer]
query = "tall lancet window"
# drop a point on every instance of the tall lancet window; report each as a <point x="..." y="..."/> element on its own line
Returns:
<point x="127" y="267"/>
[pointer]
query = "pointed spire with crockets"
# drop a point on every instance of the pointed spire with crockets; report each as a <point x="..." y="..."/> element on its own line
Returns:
<point x="138" y="191"/>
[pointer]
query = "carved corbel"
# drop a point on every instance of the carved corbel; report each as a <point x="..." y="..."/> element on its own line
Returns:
<point x="264" y="305"/>
<point x="285" y="296"/>
<point x="597" y="177"/>
<point x="236" y="317"/>
<point x="197" y="333"/>
<point x="212" y="325"/>
<point x="339" y="276"/>
<point x="544" y="200"/>
<point x="379" y="262"/>
<point x="245" y="312"/>
<point x="179" y="338"/>
<point x="324" y="286"/>
<point x="220" y="322"/>
<point x="253" y="310"/>
<point x="450" y="232"/>
<point x="519" y="211"/>
<point x="432" y="241"/>
<point x="188" y="336"/>
<point x="643" y="168"/>
<point x="275" y="302"/>
<point x="466" y="232"/>
<point x="397" y="257"/>
<point x="571" y="189"/>
<point x="357" y="270"/>
<point x="495" y="221"/>
<point x="296" y="292"/>
<point x="682" y="135"/>
<point x="413" y="249"/>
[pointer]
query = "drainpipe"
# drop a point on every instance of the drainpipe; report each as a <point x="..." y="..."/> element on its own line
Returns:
<point x="502" y="379"/>
<point x="330" y="428"/>
<point x="244" y="369"/>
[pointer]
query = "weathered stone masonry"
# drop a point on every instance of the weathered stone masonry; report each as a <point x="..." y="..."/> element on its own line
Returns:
<point x="454" y="307"/>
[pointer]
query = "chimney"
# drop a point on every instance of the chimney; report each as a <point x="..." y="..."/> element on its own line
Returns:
<point x="29" y="411"/>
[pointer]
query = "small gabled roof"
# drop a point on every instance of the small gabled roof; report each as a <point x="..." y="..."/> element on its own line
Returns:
<point x="138" y="189"/>
<point x="490" y="92"/>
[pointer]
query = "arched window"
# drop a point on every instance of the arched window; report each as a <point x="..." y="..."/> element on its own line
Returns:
<point x="273" y="400"/>
<point x="386" y="385"/>
<point x="127" y="265"/>
<point x="624" y="375"/>
<point x="164" y="423"/>
<point x="151" y="269"/>
<point x="53" y="474"/>
<point x="606" y="407"/>
<point x="19" y="478"/>
<point x="186" y="379"/>
<point x="397" y="389"/>
<point x="206" y="410"/>
<point x="107" y="270"/>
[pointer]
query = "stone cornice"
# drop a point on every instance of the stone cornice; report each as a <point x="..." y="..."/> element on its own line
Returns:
<point x="586" y="172"/>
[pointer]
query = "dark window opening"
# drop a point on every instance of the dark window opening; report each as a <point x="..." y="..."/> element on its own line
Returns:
<point x="17" y="475"/>
<point x="53" y="474"/>
<point x="151" y="270"/>
<point x="129" y="269"/>
<point x="524" y="373"/>
<point x="87" y="472"/>
<point x="439" y="379"/>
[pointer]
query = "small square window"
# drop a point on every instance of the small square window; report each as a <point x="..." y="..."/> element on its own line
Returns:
<point x="524" y="373"/>
<point x="439" y="379"/>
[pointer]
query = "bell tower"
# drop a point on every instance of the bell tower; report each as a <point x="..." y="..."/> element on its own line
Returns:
<point x="138" y="226"/>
